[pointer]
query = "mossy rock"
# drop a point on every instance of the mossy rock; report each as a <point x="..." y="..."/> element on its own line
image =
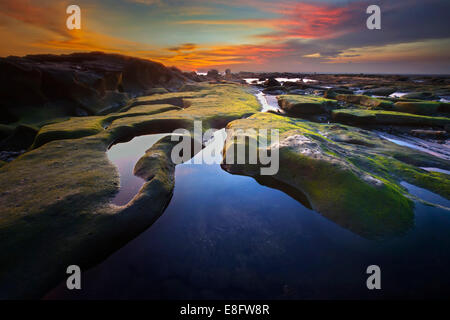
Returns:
<point x="383" y="91"/>
<point x="275" y="90"/>
<point x="305" y="105"/>
<point x="6" y="130"/>
<point x="21" y="138"/>
<point x="444" y="107"/>
<point x="377" y="117"/>
<point x="420" y="96"/>
<point x="57" y="197"/>
<point x="349" y="175"/>
<point x="371" y="103"/>
<point x="332" y="93"/>
<point x="422" y="108"/>
<point x="192" y="87"/>
<point x="74" y="128"/>
<point x="157" y="91"/>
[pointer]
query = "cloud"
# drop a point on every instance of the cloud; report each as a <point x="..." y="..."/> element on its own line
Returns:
<point x="48" y="15"/>
<point x="221" y="55"/>
<point x="313" y="55"/>
<point x="293" y="35"/>
<point x="146" y="2"/>
<point x="302" y="20"/>
<point x="183" y="47"/>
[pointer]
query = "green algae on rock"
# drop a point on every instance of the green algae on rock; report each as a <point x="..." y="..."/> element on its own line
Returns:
<point x="21" y="138"/>
<point x="380" y="117"/>
<point x="63" y="189"/>
<point x="371" y="103"/>
<point x="383" y="91"/>
<point x="305" y="105"/>
<point x="213" y="104"/>
<point x="343" y="172"/>
<point x="421" y="108"/>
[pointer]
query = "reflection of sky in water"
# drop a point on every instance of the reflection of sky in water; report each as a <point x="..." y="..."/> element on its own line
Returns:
<point x="436" y="170"/>
<point x="268" y="102"/>
<point x="440" y="150"/>
<point x="124" y="156"/>
<point x="398" y="94"/>
<point x="426" y="195"/>
<point x="281" y="80"/>
<point x="226" y="236"/>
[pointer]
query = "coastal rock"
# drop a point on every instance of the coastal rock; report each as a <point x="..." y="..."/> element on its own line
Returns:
<point x="420" y="96"/>
<point x="272" y="82"/>
<point x="213" y="74"/>
<point x="342" y="173"/>
<point x="384" y="91"/>
<point x="21" y="138"/>
<point x="59" y="85"/>
<point x="372" y="103"/>
<point x="444" y="107"/>
<point x="380" y="117"/>
<point x="305" y="104"/>
<point x="435" y="134"/>
<point x="274" y="90"/>
<point x="333" y="92"/>
<point x="296" y="91"/>
<point x="75" y="182"/>
<point x="422" y="108"/>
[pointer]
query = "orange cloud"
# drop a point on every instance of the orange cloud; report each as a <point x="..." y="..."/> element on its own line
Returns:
<point x="399" y="52"/>
<point x="48" y="16"/>
<point x="184" y="47"/>
<point x="299" y="20"/>
<point x="50" y="35"/>
<point x="217" y="55"/>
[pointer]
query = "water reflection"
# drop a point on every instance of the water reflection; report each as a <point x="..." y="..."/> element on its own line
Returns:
<point x="440" y="150"/>
<point x="227" y="236"/>
<point x="124" y="156"/>
<point x="426" y="195"/>
<point x="268" y="102"/>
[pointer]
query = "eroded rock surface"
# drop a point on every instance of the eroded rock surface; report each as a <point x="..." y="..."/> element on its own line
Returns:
<point x="62" y="189"/>
<point x="77" y="84"/>
<point x="349" y="175"/>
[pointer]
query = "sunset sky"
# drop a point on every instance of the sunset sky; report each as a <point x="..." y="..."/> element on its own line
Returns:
<point x="244" y="35"/>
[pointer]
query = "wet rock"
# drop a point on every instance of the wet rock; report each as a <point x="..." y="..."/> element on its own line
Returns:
<point x="380" y="117"/>
<point x="305" y="105"/>
<point x="291" y="85"/>
<point x="272" y="82"/>
<point x="63" y="189"/>
<point x="444" y="107"/>
<point x="384" y="91"/>
<point x="74" y="82"/>
<point x="21" y="138"/>
<point x="420" y="96"/>
<point x="341" y="171"/>
<point x="372" y="103"/>
<point x="5" y="131"/>
<point x="297" y="91"/>
<point x="276" y="90"/>
<point x="422" y="108"/>
<point x="436" y="134"/>
<point x="213" y="74"/>
<point x="333" y="92"/>
<point x="8" y="156"/>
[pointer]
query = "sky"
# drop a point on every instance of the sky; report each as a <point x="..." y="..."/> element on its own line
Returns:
<point x="243" y="35"/>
